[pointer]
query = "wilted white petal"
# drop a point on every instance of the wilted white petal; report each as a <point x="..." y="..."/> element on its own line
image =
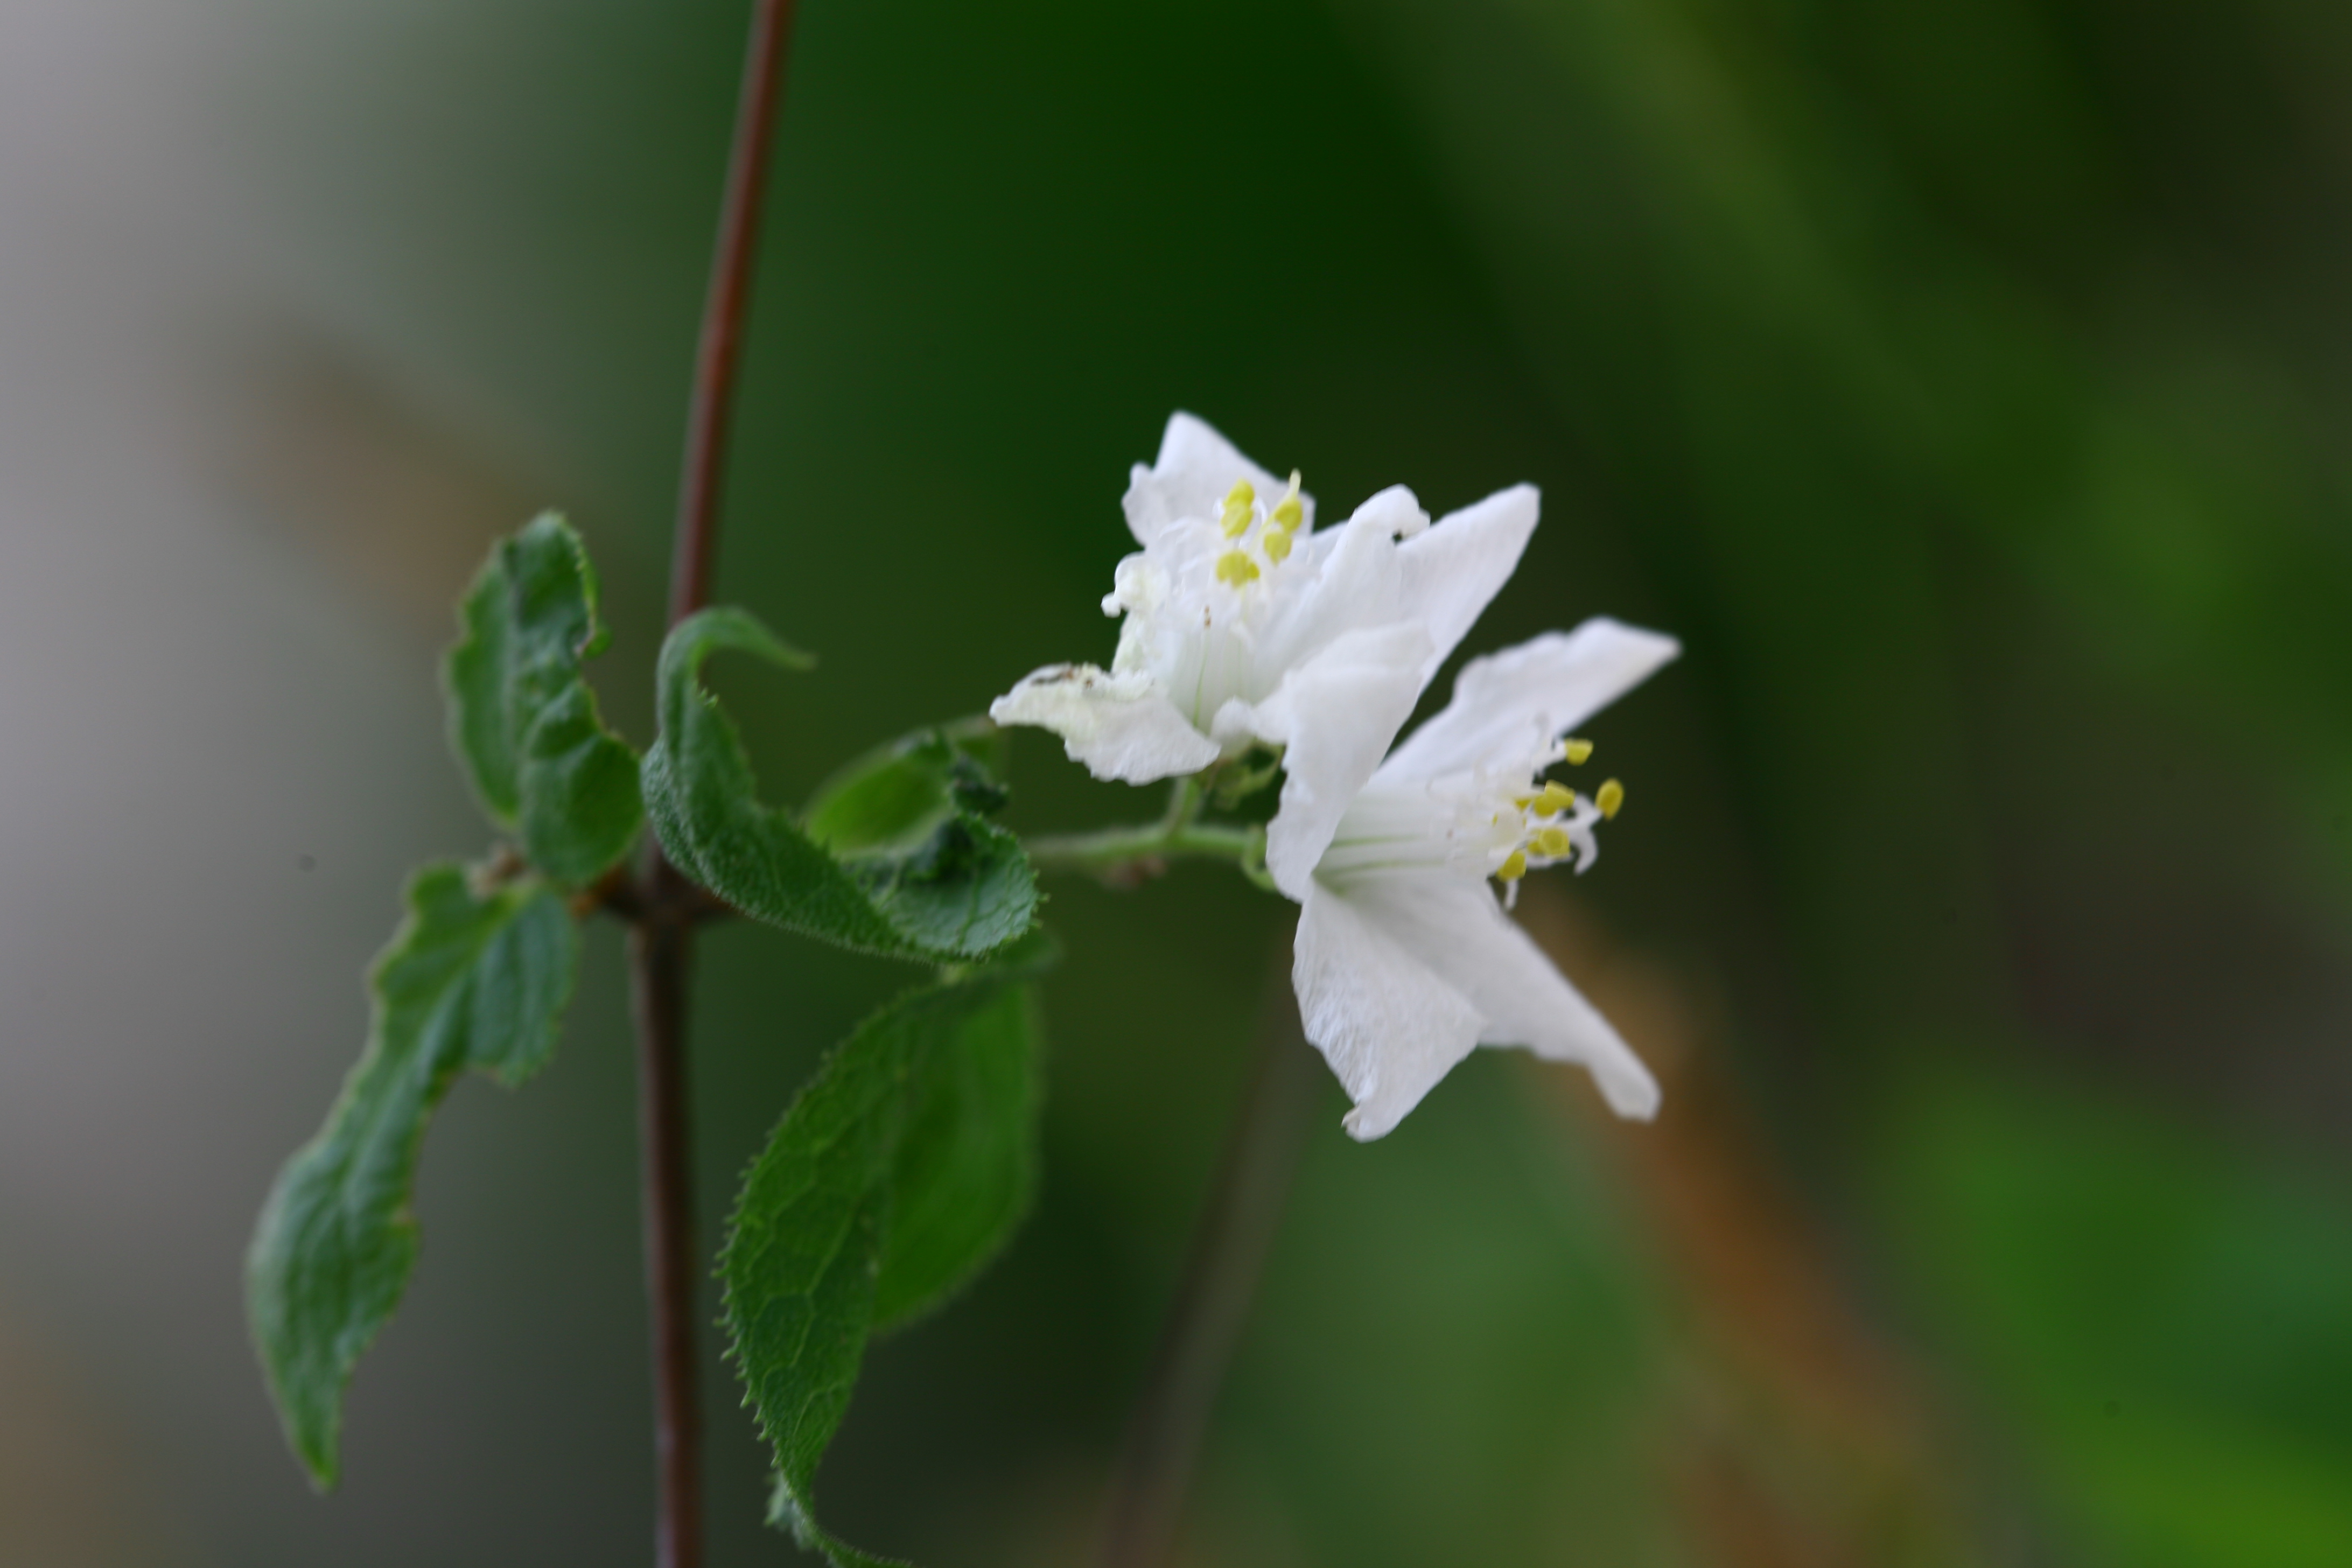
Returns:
<point x="1118" y="725"/>
<point x="1451" y="571"/>
<point x="1389" y="1026"/>
<point x="1139" y="586"/>
<point x="1556" y="681"/>
<point x="1195" y="467"/>
<point x="1456" y="929"/>
<point x="1335" y="716"/>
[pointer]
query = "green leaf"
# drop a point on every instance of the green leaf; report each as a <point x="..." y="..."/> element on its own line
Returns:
<point x="523" y="721"/>
<point x="897" y="858"/>
<point x="896" y="1175"/>
<point x="966" y="1167"/>
<point x="895" y="798"/>
<point x="474" y="979"/>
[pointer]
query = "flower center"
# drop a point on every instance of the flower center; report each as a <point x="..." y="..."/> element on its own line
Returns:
<point x="1552" y="825"/>
<point x="1259" y="533"/>
<point x="1500" y="825"/>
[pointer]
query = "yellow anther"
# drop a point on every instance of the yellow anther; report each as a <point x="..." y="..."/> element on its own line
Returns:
<point x="1275" y="544"/>
<point x="1239" y="514"/>
<point x="1609" y="798"/>
<point x="1289" y="511"/>
<point x="1512" y="870"/>
<point x="1523" y="800"/>
<point x="1578" y="751"/>
<point x="1236" y="568"/>
<point x="1555" y="797"/>
<point x="1553" y="842"/>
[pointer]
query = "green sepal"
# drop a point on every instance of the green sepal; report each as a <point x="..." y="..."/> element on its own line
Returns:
<point x="896" y="1175"/>
<point x="475" y="978"/>
<point x="523" y="721"/>
<point x="897" y="858"/>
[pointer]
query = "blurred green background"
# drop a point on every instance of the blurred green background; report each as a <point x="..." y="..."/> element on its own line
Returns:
<point x="1964" y="382"/>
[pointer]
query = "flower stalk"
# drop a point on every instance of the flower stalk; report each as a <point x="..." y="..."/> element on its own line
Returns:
<point x="1125" y="855"/>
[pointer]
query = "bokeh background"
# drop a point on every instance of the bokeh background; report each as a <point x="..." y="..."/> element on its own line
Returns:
<point x="1966" y="382"/>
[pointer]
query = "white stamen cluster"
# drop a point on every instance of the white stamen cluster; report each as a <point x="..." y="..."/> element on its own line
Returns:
<point x="1489" y="822"/>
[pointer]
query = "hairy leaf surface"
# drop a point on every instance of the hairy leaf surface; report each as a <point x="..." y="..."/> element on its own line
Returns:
<point x="474" y="979"/>
<point x="898" y="856"/>
<point x="896" y="1175"/>
<point x="522" y="719"/>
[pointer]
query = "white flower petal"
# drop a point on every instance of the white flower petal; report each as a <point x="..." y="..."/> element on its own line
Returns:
<point x="1194" y="469"/>
<point x="1115" y="724"/>
<point x="1357" y="582"/>
<point x="1451" y="570"/>
<point x="1396" y="512"/>
<point x="1454" y="927"/>
<point x="1389" y="1026"/>
<point x="1334" y="716"/>
<point x="1554" y="683"/>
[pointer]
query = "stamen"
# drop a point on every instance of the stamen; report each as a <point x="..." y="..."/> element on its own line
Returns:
<point x="1577" y="752"/>
<point x="1556" y="797"/>
<point x="1235" y="568"/>
<point x="1512" y="870"/>
<point x="1275" y="544"/>
<point x="1240" y="509"/>
<point x="1289" y="512"/>
<point x="1609" y="798"/>
<point x="1553" y="842"/>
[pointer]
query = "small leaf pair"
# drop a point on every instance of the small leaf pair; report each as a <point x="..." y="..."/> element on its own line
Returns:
<point x="477" y="978"/>
<point x="896" y="858"/>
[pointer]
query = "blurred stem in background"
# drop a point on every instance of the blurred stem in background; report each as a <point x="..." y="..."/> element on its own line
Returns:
<point x="1228" y="1255"/>
<point x="661" y="938"/>
<point x="1230" y="1239"/>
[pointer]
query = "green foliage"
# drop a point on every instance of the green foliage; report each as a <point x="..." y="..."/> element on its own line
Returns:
<point x="523" y="721"/>
<point x="896" y="796"/>
<point x="896" y="859"/>
<point x="474" y="979"/>
<point x="2102" y="1269"/>
<point x="892" y="1177"/>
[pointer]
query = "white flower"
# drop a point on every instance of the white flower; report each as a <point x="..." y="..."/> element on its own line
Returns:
<point x="1245" y="624"/>
<point x="1404" y="960"/>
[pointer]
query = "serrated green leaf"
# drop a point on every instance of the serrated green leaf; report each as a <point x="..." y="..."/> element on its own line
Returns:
<point x="474" y="979"/>
<point x="905" y="864"/>
<point x="894" y="1177"/>
<point x="523" y="721"/>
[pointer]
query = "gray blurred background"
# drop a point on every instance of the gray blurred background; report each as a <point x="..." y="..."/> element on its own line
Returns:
<point x="1966" y="382"/>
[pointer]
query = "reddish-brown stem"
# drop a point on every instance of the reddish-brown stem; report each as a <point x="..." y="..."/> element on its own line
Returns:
<point x="663" y="906"/>
<point x="725" y="310"/>
<point x="658" y="953"/>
